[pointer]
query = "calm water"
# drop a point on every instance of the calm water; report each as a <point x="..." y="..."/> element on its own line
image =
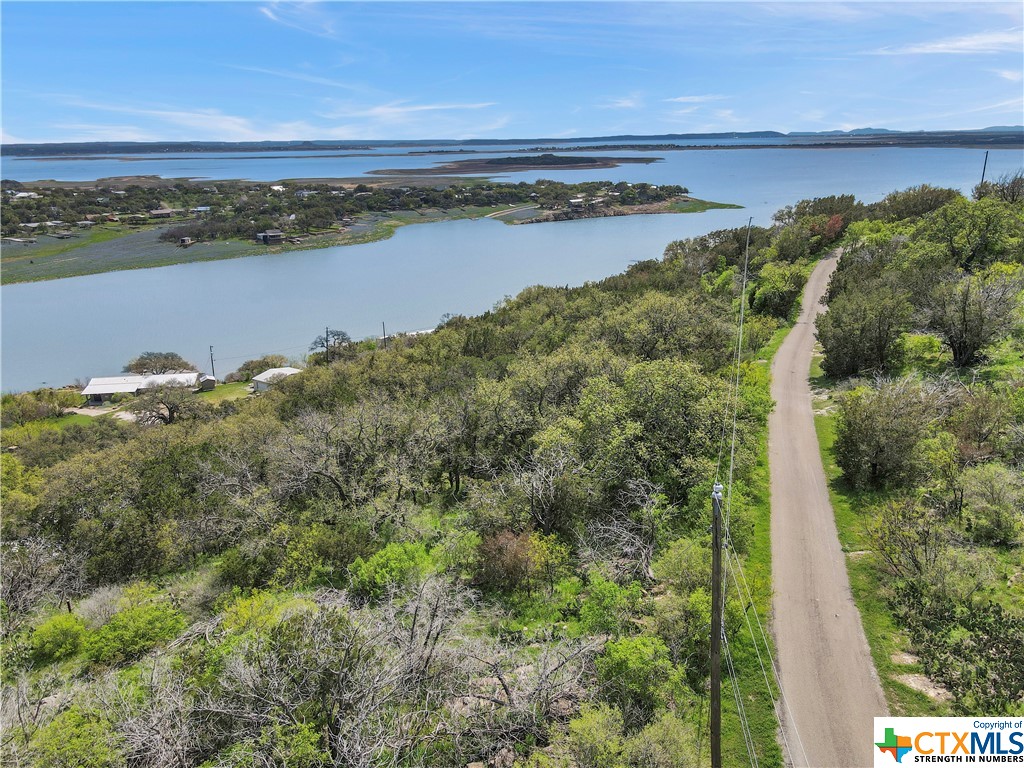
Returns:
<point x="59" y="331"/>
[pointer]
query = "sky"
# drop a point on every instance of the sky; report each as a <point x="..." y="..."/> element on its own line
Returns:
<point x="251" y="71"/>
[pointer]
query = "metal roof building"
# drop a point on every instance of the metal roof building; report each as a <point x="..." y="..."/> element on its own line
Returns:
<point x="105" y="386"/>
<point x="265" y="379"/>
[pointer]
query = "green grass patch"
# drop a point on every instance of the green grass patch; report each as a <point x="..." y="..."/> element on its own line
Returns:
<point x="694" y="205"/>
<point x="222" y="392"/>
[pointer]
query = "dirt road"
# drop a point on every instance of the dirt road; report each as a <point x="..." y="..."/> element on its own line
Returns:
<point x="827" y="673"/>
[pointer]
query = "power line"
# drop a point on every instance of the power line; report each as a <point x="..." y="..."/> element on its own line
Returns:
<point x="741" y="710"/>
<point x="776" y="676"/>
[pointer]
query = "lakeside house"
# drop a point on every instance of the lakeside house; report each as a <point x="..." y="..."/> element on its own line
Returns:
<point x="263" y="381"/>
<point x="270" y="237"/>
<point x="101" y="388"/>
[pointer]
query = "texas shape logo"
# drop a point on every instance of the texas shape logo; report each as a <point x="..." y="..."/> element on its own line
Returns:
<point x="897" y="745"/>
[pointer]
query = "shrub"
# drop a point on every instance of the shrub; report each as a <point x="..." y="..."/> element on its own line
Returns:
<point x="595" y="737"/>
<point x="100" y="606"/>
<point x="57" y="638"/>
<point x="994" y="498"/>
<point x="391" y="567"/>
<point x="668" y="742"/>
<point x="133" y="632"/>
<point x="879" y="432"/>
<point x="636" y="675"/>
<point x="246" y="569"/>
<point x="77" y="739"/>
<point x="608" y="607"/>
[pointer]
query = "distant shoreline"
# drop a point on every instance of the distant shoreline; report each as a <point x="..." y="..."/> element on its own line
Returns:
<point x="924" y="141"/>
<point x="1009" y="137"/>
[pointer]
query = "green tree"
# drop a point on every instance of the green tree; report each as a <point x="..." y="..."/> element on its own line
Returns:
<point x="879" y="430"/>
<point x="166" y="405"/>
<point x="862" y="330"/>
<point x="395" y="565"/>
<point x="972" y="311"/>
<point x="777" y="289"/>
<point x="159" y="362"/>
<point x="251" y="368"/>
<point x="974" y="234"/>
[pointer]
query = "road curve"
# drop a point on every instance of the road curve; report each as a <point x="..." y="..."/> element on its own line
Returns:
<point x="829" y="680"/>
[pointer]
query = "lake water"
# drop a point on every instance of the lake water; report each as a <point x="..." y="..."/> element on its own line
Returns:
<point x="58" y="331"/>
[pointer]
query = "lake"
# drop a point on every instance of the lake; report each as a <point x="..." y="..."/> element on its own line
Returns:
<point x="56" y="332"/>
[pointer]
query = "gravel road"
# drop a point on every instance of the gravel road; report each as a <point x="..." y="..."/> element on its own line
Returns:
<point x="829" y="679"/>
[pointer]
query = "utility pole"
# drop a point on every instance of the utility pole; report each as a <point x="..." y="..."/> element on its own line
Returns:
<point x="213" y="372"/>
<point x="984" y="167"/>
<point x="327" y="344"/>
<point x="385" y="330"/>
<point x="716" y="627"/>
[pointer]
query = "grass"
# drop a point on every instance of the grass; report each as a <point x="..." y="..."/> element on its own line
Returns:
<point x="15" y="434"/>
<point x="222" y="392"/>
<point x="698" y="206"/>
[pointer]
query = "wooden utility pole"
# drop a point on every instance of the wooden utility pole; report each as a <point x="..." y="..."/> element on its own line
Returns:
<point x="385" y="330"/>
<point x="213" y="372"/>
<point x="716" y="627"/>
<point x="327" y="344"/>
<point x="984" y="167"/>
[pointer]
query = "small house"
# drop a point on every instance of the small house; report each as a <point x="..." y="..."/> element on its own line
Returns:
<point x="206" y="383"/>
<point x="161" y="213"/>
<point x="102" y="388"/>
<point x="270" y="237"/>
<point x="263" y="381"/>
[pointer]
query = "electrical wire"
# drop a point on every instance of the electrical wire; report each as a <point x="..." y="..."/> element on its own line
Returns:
<point x="741" y="710"/>
<point x="747" y="594"/>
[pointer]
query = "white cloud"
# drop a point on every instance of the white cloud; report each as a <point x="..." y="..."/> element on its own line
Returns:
<point x="633" y="101"/>
<point x="100" y="132"/>
<point x="982" y="42"/>
<point x="399" y="110"/>
<point x="305" y="17"/>
<point x="201" y="124"/>
<point x="301" y="76"/>
<point x="697" y="99"/>
<point x="1014" y="76"/>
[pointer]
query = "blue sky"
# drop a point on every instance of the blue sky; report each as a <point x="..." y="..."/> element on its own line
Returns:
<point x="242" y="71"/>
